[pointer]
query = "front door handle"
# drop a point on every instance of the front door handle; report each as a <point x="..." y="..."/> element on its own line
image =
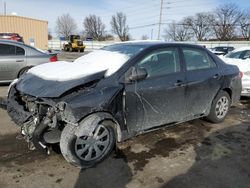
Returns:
<point x="20" y="60"/>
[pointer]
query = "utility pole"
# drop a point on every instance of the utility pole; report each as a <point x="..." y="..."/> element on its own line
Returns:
<point x="160" y="20"/>
<point x="4" y="8"/>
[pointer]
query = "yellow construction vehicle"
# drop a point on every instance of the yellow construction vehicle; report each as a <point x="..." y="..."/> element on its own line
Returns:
<point x="74" y="44"/>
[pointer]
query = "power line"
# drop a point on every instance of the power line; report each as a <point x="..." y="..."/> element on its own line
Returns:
<point x="143" y="26"/>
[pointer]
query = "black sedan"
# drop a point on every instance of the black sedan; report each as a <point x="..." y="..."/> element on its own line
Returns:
<point x="120" y="91"/>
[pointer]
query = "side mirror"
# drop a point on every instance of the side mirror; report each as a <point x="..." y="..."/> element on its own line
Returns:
<point x="137" y="74"/>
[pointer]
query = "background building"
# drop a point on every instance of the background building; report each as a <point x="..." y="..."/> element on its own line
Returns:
<point x="33" y="31"/>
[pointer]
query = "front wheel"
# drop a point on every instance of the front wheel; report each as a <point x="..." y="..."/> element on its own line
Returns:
<point x="219" y="108"/>
<point x="85" y="150"/>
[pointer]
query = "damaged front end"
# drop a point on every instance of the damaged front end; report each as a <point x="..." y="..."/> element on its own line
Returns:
<point x="40" y="119"/>
<point x="38" y="107"/>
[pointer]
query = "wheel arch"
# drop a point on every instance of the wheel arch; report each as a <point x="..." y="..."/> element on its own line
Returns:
<point x="24" y="68"/>
<point x="104" y="117"/>
<point x="229" y="91"/>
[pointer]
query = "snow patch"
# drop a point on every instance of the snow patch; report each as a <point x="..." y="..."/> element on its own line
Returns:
<point x="86" y="65"/>
<point x="241" y="49"/>
<point x="243" y="64"/>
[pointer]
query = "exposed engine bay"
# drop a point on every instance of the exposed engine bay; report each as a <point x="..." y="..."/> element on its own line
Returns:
<point x="40" y="120"/>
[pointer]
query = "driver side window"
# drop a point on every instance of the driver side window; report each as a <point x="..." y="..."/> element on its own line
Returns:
<point x="161" y="62"/>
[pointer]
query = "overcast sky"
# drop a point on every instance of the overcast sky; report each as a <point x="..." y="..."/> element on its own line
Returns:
<point x="140" y="13"/>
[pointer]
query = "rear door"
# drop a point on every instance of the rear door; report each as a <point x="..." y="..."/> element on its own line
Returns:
<point x="159" y="99"/>
<point x="12" y="60"/>
<point x="204" y="80"/>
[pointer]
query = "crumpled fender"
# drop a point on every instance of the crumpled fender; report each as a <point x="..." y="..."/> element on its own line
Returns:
<point x="89" y="124"/>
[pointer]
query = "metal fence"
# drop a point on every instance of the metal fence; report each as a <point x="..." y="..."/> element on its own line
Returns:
<point x="90" y="45"/>
<point x="94" y="45"/>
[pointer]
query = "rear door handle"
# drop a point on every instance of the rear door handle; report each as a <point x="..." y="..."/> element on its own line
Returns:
<point x="216" y="76"/>
<point x="179" y="83"/>
<point x="20" y="60"/>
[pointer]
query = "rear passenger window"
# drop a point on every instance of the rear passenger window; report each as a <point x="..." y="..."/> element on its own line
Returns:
<point x="161" y="62"/>
<point x="7" y="50"/>
<point x="247" y="54"/>
<point x="11" y="50"/>
<point x="197" y="59"/>
<point x="20" y="51"/>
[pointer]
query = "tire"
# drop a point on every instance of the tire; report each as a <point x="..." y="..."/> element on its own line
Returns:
<point x="23" y="71"/>
<point x="82" y="50"/>
<point x="76" y="150"/>
<point x="220" y="107"/>
<point x="70" y="49"/>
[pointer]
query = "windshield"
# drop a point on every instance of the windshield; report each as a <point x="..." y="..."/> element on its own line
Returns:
<point x="127" y="49"/>
<point x="235" y="55"/>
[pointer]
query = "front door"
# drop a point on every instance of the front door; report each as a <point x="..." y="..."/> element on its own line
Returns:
<point x="158" y="99"/>
<point x="12" y="60"/>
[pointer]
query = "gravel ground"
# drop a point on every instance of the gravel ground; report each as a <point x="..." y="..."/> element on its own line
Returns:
<point x="192" y="154"/>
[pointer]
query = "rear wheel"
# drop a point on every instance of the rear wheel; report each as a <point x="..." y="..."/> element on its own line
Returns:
<point x="219" y="108"/>
<point x="85" y="150"/>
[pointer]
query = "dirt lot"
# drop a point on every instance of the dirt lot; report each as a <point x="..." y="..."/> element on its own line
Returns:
<point x="193" y="154"/>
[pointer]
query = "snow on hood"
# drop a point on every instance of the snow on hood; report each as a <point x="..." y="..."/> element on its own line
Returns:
<point x="243" y="64"/>
<point x="94" y="62"/>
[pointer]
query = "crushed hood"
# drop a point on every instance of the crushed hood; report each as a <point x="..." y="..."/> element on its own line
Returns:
<point x="86" y="65"/>
<point x="54" y="79"/>
<point x="36" y="86"/>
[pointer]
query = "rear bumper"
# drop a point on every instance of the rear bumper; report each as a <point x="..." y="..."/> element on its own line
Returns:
<point x="245" y="88"/>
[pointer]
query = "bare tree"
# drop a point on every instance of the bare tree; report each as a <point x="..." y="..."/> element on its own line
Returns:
<point x="225" y="19"/>
<point x="199" y="24"/>
<point x="65" y="25"/>
<point x="119" y="26"/>
<point x="245" y="24"/>
<point x="178" y="31"/>
<point x="94" y="27"/>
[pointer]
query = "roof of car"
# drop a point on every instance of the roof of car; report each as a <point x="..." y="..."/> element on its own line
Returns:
<point x="149" y="43"/>
<point x="242" y="49"/>
<point x="13" y="42"/>
<point x="23" y="45"/>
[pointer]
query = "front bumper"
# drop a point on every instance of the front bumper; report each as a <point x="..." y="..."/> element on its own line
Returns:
<point x="16" y="111"/>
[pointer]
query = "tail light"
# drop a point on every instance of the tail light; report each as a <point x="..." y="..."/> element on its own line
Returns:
<point x="241" y="74"/>
<point x="53" y="58"/>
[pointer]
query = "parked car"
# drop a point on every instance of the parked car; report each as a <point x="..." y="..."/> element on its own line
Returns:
<point x="120" y="91"/>
<point x="241" y="58"/>
<point x="11" y="36"/>
<point x="222" y="50"/>
<point x="240" y="53"/>
<point x="16" y="58"/>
